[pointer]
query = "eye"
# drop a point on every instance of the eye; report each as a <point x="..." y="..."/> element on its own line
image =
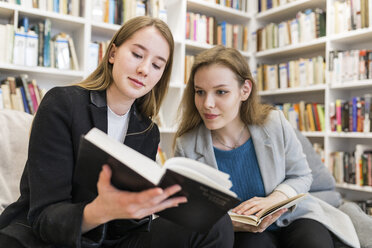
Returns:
<point x="156" y="66"/>
<point x="136" y="55"/>
<point x="221" y="92"/>
<point x="199" y="92"/>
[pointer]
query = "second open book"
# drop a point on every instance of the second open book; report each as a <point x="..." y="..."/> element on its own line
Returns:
<point x="255" y="220"/>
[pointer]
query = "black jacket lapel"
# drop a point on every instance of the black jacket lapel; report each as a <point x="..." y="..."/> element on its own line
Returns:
<point x="98" y="109"/>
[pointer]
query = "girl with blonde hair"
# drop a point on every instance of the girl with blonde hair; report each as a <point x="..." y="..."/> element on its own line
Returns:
<point x="121" y="97"/>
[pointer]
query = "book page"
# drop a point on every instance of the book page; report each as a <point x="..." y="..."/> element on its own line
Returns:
<point x="283" y="204"/>
<point x="215" y="175"/>
<point x="195" y="175"/>
<point x="130" y="157"/>
<point x="246" y="219"/>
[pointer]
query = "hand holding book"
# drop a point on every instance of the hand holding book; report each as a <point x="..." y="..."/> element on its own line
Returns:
<point x="252" y="214"/>
<point x="112" y="203"/>
<point x="206" y="189"/>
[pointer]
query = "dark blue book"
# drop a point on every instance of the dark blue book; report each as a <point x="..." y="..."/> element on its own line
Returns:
<point x="24" y="100"/>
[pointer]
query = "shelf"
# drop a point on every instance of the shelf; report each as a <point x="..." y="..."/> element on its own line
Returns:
<point x="6" y="10"/>
<point x="294" y="50"/>
<point x="197" y="47"/>
<point x="217" y="10"/>
<point x="104" y="27"/>
<point x="355" y="135"/>
<point x="58" y="19"/>
<point x="289" y="10"/>
<point x="314" y="134"/>
<point x="359" y="84"/>
<point x="354" y="187"/>
<point x="39" y="71"/>
<point x="320" y="87"/>
<point x="353" y="36"/>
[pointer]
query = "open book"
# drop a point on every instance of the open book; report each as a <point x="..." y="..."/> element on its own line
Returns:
<point x="206" y="189"/>
<point x="255" y="220"/>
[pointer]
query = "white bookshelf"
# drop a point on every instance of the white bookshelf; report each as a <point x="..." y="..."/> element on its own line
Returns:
<point x="327" y="93"/>
<point x="72" y="25"/>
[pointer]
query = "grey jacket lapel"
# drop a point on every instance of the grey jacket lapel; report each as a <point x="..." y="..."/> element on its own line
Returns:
<point x="265" y="155"/>
<point x="204" y="146"/>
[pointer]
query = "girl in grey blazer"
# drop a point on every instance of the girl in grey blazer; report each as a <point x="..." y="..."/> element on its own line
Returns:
<point x="223" y="124"/>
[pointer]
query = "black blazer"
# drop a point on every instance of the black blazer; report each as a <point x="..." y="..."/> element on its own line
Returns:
<point x="47" y="214"/>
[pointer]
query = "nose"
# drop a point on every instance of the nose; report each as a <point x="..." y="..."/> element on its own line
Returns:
<point x="209" y="101"/>
<point x="144" y="67"/>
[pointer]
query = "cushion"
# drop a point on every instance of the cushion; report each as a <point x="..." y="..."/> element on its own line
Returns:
<point x="332" y="197"/>
<point x="14" y="136"/>
<point x="322" y="178"/>
<point x="362" y="222"/>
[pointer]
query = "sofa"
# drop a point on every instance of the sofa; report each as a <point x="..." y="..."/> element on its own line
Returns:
<point x="323" y="187"/>
<point x="14" y="135"/>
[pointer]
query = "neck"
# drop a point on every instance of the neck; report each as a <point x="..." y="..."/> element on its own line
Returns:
<point x="117" y="102"/>
<point x="231" y="138"/>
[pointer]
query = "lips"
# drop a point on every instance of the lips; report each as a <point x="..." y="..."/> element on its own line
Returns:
<point x="136" y="82"/>
<point x="210" y="116"/>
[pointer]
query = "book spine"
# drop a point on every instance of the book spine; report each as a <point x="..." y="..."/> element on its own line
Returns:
<point x="33" y="96"/>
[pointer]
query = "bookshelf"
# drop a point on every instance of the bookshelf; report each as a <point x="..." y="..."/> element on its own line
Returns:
<point x="328" y="92"/>
<point x="83" y="30"/>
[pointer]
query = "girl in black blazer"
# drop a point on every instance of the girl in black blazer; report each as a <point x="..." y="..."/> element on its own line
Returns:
<point x="120" y="97"/>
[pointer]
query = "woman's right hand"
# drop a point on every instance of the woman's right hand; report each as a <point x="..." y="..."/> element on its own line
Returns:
<point x="265" y="223"/>
<point x="112" y="203"/>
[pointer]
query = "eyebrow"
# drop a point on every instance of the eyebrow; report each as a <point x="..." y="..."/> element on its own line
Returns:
<point x="144" y="48"/>
<point x="217" y="86"/>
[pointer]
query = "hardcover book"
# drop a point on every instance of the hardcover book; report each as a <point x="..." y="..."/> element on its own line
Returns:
<point x="206" y="189"/>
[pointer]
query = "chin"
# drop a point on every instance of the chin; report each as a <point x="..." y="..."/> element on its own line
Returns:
<point x="211" y="126"/>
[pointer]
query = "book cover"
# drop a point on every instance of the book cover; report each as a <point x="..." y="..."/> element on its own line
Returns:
<point x="255" y="220"/>
<point x="206" y="189"/>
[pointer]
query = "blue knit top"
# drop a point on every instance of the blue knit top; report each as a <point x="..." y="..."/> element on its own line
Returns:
<point x="242" y="166"/>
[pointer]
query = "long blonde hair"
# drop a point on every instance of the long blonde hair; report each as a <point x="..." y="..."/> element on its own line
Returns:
<point x="101" y="78"/>
<point x="252" y="112"/>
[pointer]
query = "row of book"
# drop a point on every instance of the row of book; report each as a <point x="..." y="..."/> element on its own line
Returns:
<point x="308" y="25"/>
<point x="351" y="115"/>
<point x="349" y="15"/>
<point x="308" y="117"/>
<point x="264" y="5"/>
<point x="96" y="52"/>
<point x="366" y="206"/>
<point x="118" y="12"/>
<point x="67" y="7"/>
<point x="20" y="93"/>
<point x="32" y="45"/>
<point x="242" y="5"/>
<point x="296" y="73"/>
<point x="352" y="167"/>
<point x="205" y="29"/>
<point x="350" y="65"/>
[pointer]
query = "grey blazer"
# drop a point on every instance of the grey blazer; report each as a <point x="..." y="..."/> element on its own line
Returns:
<point x="282" y="163"/>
